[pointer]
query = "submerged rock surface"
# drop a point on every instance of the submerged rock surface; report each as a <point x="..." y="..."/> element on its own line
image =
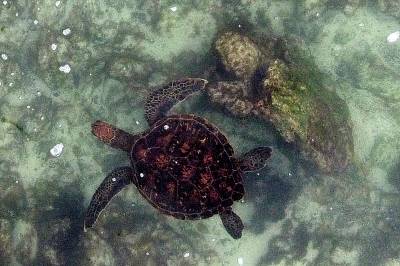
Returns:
<point x="291" y="96"/>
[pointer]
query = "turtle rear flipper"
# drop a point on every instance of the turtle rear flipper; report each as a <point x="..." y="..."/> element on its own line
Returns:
<point x="115" y="137"/>
<point x="232" y="222"/>
<point x="161" y="100"/>
<point x="111" y="185"/>
<point x="255" y="159"/>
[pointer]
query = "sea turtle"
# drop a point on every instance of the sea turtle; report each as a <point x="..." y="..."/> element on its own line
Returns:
<point x="183" y="165"/>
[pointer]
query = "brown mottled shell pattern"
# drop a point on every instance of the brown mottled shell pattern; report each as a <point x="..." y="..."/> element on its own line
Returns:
<point x="185" y="168"/>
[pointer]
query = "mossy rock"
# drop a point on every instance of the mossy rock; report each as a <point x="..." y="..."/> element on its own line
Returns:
<point x="285" y="87"/>
<point x="305" y="111"/>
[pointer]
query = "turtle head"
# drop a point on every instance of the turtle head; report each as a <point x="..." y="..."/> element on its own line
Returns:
<point x="115" y="137"/>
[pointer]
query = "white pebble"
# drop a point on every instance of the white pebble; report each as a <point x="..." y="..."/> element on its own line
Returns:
<point x="58" y="3"/>
<point x="53" y="46"/>
<point x="187" y="254"/>
<point x="57" y="150"/>
<point x="35" y="22"/>
<point x="141" y="175"/>
<point x="4" y="2"/>
<point x="166" y="127"/>
<point x="147" y="253"/>
<point x="65" y="68"/>
<point x="113" y="179"/>
<point x="16" y="181"/>
<point x="173" y="9"/>
<point x="4" y="56"/>
<point x="28" y="106"/>
<point x="240" y="261"/>
<point x="42" y="118"/>
<point x="16" y="14"/>
<point x="67" y="31"/>
<point x="393" y="37"/>
<point x="137" y="122"/>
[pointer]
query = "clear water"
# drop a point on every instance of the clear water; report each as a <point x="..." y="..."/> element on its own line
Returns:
<point x="65" y="64"/>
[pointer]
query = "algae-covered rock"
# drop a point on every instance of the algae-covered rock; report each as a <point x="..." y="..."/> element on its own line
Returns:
<point x="239" y="54"/>
<point x="291" y="96"/>
<point x="313" y="116"/>
<point x="223" y="91"/>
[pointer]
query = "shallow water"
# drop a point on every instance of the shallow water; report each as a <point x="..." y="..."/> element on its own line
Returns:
<point x="65" y="64"/>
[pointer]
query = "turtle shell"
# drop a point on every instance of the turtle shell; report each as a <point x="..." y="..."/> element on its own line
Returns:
<point x="185" y="168"/>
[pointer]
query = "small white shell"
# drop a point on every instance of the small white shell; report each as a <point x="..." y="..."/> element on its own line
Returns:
<point x="65" y="68"/>
<point x="67" y="31"/>
<point x="57" y="150"/>
<point x="393" y="37"/>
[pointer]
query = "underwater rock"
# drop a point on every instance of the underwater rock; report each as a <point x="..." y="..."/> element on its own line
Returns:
<point x="25" y="242"/>
<point x="233" y="96"/>
<point x="315" y="117"/>
<point x="239" y="54"/>
<point x="292" y="97"/>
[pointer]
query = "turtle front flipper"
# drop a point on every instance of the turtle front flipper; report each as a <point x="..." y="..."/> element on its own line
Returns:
<point x="111" y="185"/>
<point x="255" y="159"/>
<point x="115" y="137"/>
<point x="232" y="222"/>
<point x="161" y="100"/>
